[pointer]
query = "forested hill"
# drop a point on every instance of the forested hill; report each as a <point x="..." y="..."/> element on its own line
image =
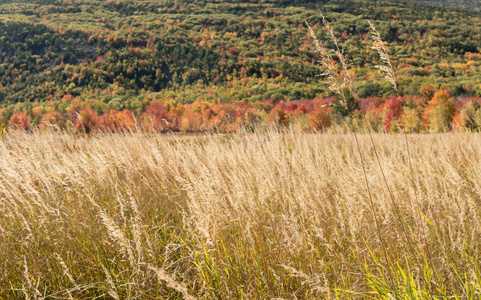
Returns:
<point x="134" y="51"/>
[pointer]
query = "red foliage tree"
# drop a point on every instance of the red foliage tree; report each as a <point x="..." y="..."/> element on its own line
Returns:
<point x="394" y="109"/>
<point x="87" y="120"/>
<point x="157" y="119"/>
<point x="279" y="115"/>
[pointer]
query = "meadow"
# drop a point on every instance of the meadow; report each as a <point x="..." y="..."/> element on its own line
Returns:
<point x="276" y="214"/>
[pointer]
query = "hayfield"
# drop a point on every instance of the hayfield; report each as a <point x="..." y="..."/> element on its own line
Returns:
<point x="276" y="214"/>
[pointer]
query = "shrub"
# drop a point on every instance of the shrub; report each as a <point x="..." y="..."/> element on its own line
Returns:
<point x="53" y="119"/>
<point x="87" y="120"/>
<point x="320" y="118"/>
<point x="20" y="120"/>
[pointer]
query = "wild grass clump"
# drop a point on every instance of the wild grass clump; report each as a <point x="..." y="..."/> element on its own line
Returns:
<point x="277" y="214"/>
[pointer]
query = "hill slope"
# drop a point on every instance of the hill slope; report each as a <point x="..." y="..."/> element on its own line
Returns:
<point x="119" y="51"/>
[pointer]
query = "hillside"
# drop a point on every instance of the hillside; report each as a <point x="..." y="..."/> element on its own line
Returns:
<point x="51" y="48"/>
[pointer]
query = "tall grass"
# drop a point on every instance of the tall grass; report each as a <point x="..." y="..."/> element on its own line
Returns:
<point x="277" y="214"/>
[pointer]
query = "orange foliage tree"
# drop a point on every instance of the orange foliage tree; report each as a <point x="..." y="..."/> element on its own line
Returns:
<point x="438" y="114"/>
<point x="20" y="120"/>
<point x="320" y="118"/>
<point x="117" y="121"/>
<point x="52" y="119"/>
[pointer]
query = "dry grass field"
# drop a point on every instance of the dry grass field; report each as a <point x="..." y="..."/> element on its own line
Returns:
<point x="272" y="215"/>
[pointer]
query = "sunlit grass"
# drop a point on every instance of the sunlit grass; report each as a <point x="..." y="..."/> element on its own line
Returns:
<point x="251" y="216"/>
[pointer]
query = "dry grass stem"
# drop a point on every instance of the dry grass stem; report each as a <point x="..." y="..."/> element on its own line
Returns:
<point x="171" y="282"/>
<point x="383" y="51"/>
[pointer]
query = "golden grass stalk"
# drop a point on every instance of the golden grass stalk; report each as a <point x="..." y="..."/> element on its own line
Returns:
<point x="29" y="289"/>
<point x="346" y="75"/>
<point x="383" y="51"/>
<point x="116" y="234"/>
<point x="112" y="290"/>
<point x="328" y="64"/>
<point x="171" y="282"/>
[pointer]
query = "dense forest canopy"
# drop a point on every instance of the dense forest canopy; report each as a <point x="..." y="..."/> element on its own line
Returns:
<point x="54" y="47"/>
<point x="125" y="53"/>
